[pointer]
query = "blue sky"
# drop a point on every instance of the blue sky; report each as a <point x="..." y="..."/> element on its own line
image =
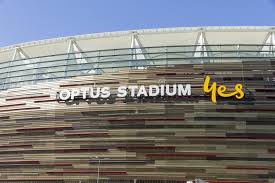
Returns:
<point x="28" y="20"/>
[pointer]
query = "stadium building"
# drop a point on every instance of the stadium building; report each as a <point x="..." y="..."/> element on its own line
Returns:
<point x="143" y="106"/>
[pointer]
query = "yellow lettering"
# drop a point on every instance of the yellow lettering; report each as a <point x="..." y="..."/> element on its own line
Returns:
<point x="239" y="90"/>
<point x="212" y="89"/>
<point x="238" y="93"/>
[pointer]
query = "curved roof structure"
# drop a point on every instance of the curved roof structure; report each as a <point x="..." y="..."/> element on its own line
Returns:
<point x="60" y="58"/>
<point x="147" y="38"/>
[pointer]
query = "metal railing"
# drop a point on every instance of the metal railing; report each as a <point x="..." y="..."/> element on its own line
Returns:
<point x="29" y="71"/>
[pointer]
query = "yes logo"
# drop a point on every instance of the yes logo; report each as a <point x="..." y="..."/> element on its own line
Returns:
<point x="220" y="90"/>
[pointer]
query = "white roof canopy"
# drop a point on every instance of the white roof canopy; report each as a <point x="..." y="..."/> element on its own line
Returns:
<point x="147" y="38"/>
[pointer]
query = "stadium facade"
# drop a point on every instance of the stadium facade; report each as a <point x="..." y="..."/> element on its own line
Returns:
<point x="160" y="105"/>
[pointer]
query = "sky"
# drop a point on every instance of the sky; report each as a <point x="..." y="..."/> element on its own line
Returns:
<point x="30" y="20"/>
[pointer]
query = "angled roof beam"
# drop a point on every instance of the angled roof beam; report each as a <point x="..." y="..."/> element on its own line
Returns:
<point x="201" y="46"/>
<point x="268" y="44"/>
<point x="136" y="45"/>
<point x="19" y="54"/>
<point x="139" y="53"/>
<point x="75" y="52"/>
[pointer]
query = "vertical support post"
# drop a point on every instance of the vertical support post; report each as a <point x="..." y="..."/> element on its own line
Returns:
<point x="97" y="181"/>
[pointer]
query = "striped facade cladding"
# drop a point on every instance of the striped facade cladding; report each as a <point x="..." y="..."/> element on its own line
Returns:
<point x="146" y="139"/>
<point x="176" y="139"/>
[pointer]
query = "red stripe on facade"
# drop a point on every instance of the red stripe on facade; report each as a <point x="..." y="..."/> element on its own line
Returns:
<point x="245" y="110"/>
<point x="86" y="134"/>
<point x="12" y="105"/>
<point x="88" y="84"/>
<point x="235" y="137"/>
<point x="15" y="146"/>
<point x="41" y="101"/>
<point x="271" y="150"/>
<point x="242" y="167"/>
<point x="79" y="150"/>
<point x="19" y="109"/>
<point x="44" y="129"/>
<point x="19" y="162"/>
<point x="235" y="181"/>
<point x="195" y="154"/>
<point x="27" y="97"/>
<point x="147" y="147"/>
<point x="146" y="119"/>
<point x="88" y="171"/>
<point x="58" y="164"/>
